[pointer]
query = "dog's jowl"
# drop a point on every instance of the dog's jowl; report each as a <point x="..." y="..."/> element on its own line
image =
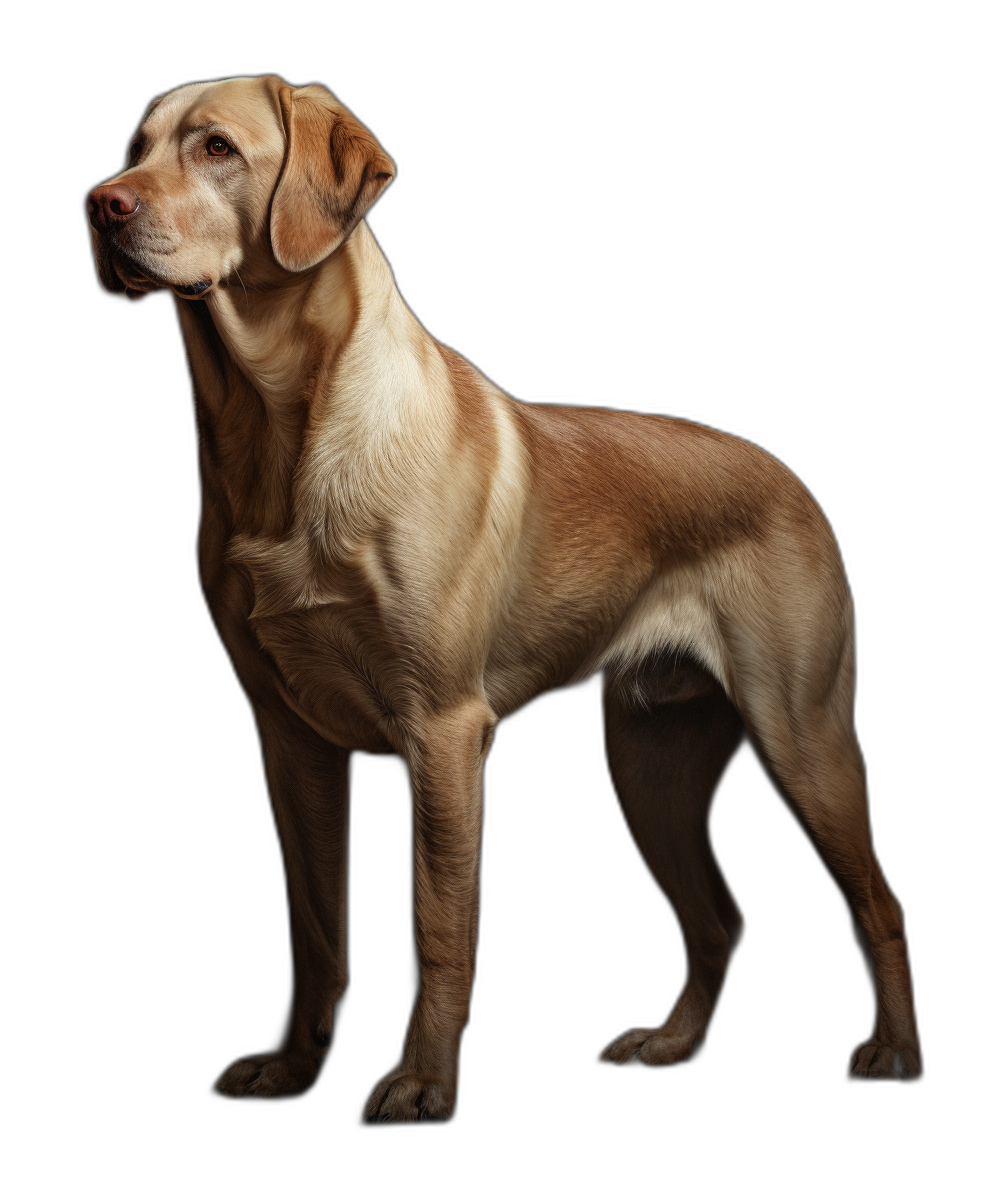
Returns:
<point x="397" y="554"/>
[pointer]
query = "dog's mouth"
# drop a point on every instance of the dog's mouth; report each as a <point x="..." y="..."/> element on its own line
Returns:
<point x="122" y="273"/>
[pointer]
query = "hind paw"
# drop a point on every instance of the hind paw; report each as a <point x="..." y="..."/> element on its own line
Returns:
<point x="875" y="1059"/>
<point x="653" y="1046"/>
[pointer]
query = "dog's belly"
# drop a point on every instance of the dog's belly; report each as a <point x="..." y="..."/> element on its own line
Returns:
<point x="330" y="675"/>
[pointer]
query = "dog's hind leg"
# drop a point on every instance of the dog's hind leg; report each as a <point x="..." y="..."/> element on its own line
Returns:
<point x="795" y="690"/>
<point x="670" y="732"/>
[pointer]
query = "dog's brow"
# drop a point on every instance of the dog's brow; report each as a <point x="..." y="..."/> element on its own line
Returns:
<point x="207" y="129"/>
<point x="151" y="108"/>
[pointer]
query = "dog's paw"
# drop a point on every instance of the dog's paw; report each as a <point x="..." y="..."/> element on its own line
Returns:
<point x="410" y="1097"/>
<point x="653" y="1046"/>
<point x="875" y="1059"/>
<point x="269" y="1075"/>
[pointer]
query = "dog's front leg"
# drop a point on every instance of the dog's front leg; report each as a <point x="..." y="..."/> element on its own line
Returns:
<point x="308" y="785"/>
<point x="446" y="766"/>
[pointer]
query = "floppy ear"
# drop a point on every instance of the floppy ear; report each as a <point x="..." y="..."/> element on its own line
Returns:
<point x="333" y="172"/>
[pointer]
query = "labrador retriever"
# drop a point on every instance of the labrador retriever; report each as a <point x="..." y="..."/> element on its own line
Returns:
<point x="397" y="555"/>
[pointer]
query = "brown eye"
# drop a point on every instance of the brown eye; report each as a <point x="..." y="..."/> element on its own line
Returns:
<point x="217" y="147"/>
<point x="134" y="152"/>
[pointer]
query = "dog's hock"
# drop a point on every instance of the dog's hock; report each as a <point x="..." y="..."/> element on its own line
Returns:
<point x="333" y="172"/>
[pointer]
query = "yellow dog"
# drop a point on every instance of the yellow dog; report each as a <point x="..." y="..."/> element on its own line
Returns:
<point x="397" y="554"/>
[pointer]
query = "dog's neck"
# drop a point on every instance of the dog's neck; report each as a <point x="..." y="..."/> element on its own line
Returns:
<point x="315" y="376"/>
<point x="286" y="339"/>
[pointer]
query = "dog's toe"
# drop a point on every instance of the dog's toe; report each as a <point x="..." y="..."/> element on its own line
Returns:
<point x="653" y="1046"/>
<point x="876" y="1059"/>
<point x="409" y="1097"/>
<point x="268" y="1075"/>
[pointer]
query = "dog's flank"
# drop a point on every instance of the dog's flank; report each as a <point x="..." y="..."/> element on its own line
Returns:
<point x="397" y="555"/>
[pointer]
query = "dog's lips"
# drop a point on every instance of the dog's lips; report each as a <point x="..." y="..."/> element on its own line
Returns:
<point x="193" y="290"/>
<point x="130" y="273"/>
<point x="139" y="279"/>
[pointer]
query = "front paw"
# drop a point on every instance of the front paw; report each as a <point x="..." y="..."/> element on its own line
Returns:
<point x="410" y="1097"/>
<point x="269" y="1075"/>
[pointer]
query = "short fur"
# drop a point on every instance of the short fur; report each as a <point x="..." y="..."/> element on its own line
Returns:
<point x="397" y="554"/>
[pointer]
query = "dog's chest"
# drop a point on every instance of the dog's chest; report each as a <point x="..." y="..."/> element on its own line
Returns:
<point x="334" y="671"/>
<point x="320" y="628"/>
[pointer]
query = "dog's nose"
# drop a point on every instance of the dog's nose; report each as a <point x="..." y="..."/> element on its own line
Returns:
<point x="110" y="204"/>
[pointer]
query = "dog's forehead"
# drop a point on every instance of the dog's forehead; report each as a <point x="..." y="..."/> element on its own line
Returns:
<point x="248" y="104"/>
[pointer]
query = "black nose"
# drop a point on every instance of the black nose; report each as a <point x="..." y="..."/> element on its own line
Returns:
<point x="110" y="204"/>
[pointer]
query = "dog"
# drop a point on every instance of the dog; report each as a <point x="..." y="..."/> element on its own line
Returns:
<point x="397" y="555"/>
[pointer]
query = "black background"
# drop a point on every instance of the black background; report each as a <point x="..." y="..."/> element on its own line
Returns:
<point x="720" y="227"/>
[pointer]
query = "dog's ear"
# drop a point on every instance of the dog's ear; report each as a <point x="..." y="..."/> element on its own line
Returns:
<point x="333" y="171"/>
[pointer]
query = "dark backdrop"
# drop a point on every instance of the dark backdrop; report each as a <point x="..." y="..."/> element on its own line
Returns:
<point x="694" y="229"/>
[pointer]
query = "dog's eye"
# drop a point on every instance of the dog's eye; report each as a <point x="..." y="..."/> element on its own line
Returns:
<point x="134" y="152"/>
<point x="217" y="147"/>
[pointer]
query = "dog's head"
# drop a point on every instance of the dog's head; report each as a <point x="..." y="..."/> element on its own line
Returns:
<point x="248" y="174"/>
